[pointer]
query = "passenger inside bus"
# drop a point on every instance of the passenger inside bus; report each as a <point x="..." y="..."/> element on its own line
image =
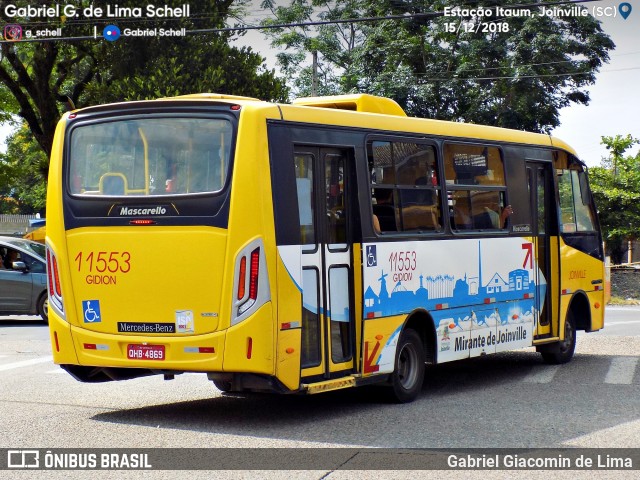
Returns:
<point x="493" y="215"/>
<point x="384" y="212"/>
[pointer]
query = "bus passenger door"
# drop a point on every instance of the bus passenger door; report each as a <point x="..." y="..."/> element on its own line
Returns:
<point x="545" y="244"/>
<point x="327" y="277"/>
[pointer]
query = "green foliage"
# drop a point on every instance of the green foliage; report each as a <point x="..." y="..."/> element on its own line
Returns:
<point x="517" y="79"/>
<point x="22" y="181"/>
<point x="153" y="67"/>
<point x="616" y="188"/>
<point x="37" y="79"/>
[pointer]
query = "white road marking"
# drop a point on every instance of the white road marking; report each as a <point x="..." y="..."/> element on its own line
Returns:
<point x="627" y="322"/>
<point x="542" y="374"/>
<point x="25" y="363"/>
<point x="621" y="370"/>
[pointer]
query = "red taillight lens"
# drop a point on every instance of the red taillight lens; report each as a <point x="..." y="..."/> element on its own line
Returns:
<point x="53" y="278"/>
<point x="252" y="290"/>
<point x="253" y="279"/>
<point x="52" y="272"/>
<point x="56" y="277"/>
<point x="242" y="276"/>
<point x="49" y="269"/>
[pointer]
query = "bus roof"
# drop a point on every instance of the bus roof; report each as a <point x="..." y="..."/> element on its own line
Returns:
<point x="360" y="110"/>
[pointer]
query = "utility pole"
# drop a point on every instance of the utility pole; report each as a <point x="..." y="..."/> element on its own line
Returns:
<point x="314" y="80"/>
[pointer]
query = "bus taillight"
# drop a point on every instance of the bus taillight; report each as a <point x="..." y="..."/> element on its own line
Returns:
<point x="253" y="276"/>
<point x="53" y="280"/>
<point x="253" y="281"/>
<point x="242" y="278"/>
<point x="251" y="285"/>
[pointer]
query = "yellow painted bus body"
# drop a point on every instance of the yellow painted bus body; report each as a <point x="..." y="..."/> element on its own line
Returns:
<point x="150" y="274"/>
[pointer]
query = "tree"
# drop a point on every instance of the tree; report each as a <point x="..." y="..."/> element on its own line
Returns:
<point x="616" y="188"/>
<point x="37" y="79"/>
<point x="518" y="74"/>
<point x="22" y="186"/>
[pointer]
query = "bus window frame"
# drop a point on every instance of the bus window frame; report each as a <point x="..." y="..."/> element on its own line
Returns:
<point x="450" y="188"/>
<point x="586" y="241"/>
<point x="369" y="139"/>
<point x="145" y="114"/>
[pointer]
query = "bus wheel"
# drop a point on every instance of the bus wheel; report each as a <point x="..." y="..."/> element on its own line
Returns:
<point x="562" y="352"/>
<point x="43" y="307"/>
<point x="408" y="374"/>
<point x="222" y="385"/>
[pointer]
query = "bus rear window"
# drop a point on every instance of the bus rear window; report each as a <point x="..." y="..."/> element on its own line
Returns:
<point x="150" y="156"/>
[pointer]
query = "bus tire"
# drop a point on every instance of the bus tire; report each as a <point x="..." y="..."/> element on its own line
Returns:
<point x="562" y="352"/>
<point x="222" y="385"/>
<point x="42" y="307"/>
<point x="408" y="373"/>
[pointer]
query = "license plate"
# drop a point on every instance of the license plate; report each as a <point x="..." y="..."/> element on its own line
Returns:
<point x="145" y="352"/>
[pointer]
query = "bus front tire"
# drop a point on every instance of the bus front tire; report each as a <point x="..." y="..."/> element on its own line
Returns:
<point x="562" y="352"/>
<point x="408" y="374"/>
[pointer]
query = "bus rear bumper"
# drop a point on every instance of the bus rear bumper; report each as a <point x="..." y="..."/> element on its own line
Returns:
<point x="72" y="345"/>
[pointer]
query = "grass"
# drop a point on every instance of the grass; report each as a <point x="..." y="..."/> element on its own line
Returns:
<point x="623" y="301"/>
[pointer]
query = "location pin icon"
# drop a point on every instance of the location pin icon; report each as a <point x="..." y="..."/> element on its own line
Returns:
<point x="625" y="9"/>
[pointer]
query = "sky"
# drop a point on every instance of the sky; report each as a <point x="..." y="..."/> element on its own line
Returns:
<point x="615" y="98"/>
<point x="614" y="108"/>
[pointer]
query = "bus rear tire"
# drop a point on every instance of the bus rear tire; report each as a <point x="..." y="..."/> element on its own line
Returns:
<point x="408" y="373"/>
<point x="222" y="385"/>
<point x="562" y="352"/>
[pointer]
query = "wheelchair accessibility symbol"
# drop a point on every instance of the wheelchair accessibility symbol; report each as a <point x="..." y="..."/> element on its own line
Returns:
<point x="372" y="256"/>
<point x="91" y="311"/>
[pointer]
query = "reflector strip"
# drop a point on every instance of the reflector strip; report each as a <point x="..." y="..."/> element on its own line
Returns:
<point x="566" y="291"/>
<point x="55" y="336"/>
<point x="489" y="300"/>
<point x="442" y="306"/>
<point x="90" y="346"/>
<point x="289" y="325"/>
<point x="249" y="347"/>
<point x="597" y="287"/>
<point x="199" y="350"/>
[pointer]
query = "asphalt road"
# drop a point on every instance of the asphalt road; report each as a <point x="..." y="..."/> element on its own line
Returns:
<point x="509" y="400"/>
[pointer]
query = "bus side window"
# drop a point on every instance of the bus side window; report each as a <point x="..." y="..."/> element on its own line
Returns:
<point x="476" y="187"/>
<point x="576" y="214"/>
<point x="405" y="187"/>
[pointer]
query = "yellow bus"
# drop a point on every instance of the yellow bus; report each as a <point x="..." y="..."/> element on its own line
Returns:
<point x="303" y="248"/>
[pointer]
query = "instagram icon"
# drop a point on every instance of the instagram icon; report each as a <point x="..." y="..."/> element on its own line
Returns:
<point x="13" y="33"/>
